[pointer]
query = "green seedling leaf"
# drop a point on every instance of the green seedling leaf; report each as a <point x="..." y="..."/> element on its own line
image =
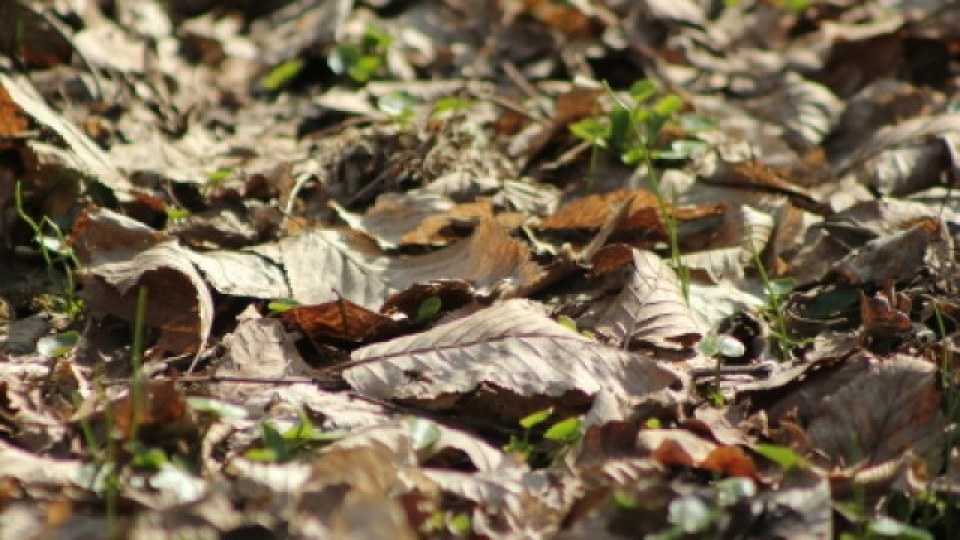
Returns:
<point x="429" y="309"/>
<point x="375" y="38"/>
<point x="619" y="129"/>
<point x="668" y="105"/>
<point x="145" y="458"/>
<point x="220" y="408"/>
<point x="796" y="6"/>
<point x="781" y="455"/>
<point x="283" y="74"/>
<point x="779" y="287"/>
<point x="564" y="432"/>
<point x="721" y="345"/>
<point x="692" y="123"/>
<point x="593" y="130"/>
<point x="274" y="441"/>
<point x="624" y="499"/>
<point x="433" y="523"/>
<point x="57" y="345"/>
<point x="342" y="57"/>
<point x="532" y="420"/>
<point x="177" y="214"/>
<point x="451" y="105"/>
<point x="732" y="490"/>
<point x="683" y="149"/>
<point x="833" y="303"/>
<point x="281" y="305"/>
<point x="690" y="514"/>
<point x="219" y="175"/>
<point x="263" y="455"/>
<point x="567" y="323"/>
<point x="643" y="90"/>
<point x="518" y="447"/>
<point x="635" y="155"/>
<point x="424" y="433"/>
<point x="397" y="104"/>
<point x="302" y="431"/>
<point x="460" y="524"/>
<point x="364" y="68"/>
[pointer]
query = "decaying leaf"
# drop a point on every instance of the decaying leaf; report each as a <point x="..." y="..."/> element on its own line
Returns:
<point x="82" y="154"/>
<point x="178" y="300"/>
<point x="322" y="264"/>
<point x="872" y="410"/>
<point x="340" y="320"/>
<point x="650" y="308"/>
<point x="510" y="347"/>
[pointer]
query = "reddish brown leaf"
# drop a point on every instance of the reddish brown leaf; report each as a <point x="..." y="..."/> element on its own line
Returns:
<point x="340" y="320"/>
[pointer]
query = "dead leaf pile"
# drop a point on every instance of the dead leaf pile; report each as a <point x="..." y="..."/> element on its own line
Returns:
<point x="495" y="269"/>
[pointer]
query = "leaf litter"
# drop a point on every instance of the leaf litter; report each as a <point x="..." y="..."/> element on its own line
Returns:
<point x="500" y="269"/>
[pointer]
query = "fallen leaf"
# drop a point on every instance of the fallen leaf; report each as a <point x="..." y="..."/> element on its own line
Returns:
<point x="512" y="347"/>
<point x="650" y="308"/>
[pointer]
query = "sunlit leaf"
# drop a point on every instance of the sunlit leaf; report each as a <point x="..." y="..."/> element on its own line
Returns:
<point x="534" y="419"/>
<point x="283" y="74"/>
<point x="565" y="431"/>
<point x="429" y="309"/>
<point x="57" y="345"/>
<point x="781" y="455"/>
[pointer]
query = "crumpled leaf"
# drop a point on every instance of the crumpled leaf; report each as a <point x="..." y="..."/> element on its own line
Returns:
<point x="414" y="218"/>
<point x="322" y="264"/>
<point x="82" y="155"/>
<point x="872" y="411"/>
<point x="510" y="347"/>
<point x="179" y="303"/>
<point x="340" y="320"/>
<point x="650" y="308"/>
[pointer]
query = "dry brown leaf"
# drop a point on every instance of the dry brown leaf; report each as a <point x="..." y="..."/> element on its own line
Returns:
<point x="754" y="175"/>
<point x="242" y="273"/>
<point x="162" y="414"/>
<point x="103" y="230"/>
<point x="650" y="308"/>
<point x="179" y="303"/>
<point x="258" y="349"/>
<point x="82" y="154"/>
<point x="511" y="347"/>
<point x="593" y="211"/>
<point x="395" y="216"/>
<point x="340" y="320"/>
<point x="453" y="294"/>
<point x="323" y="264"/>
<point x="871" y="410"/>
<point x="12" y="121"/>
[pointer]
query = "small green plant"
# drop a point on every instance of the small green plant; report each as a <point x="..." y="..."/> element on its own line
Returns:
<point x="281" y="447"/>
<point x="775" y="311"/>
<point x="717" y="346"/>
<point x="633" y="130"/>
<point x="58" y="257"/>
<point x="456" y="523"/>
<point x="450" y="105"/>
<point x="362" y="60"/>
<point x="561" y="435"/>
<point x="708" y="514"/>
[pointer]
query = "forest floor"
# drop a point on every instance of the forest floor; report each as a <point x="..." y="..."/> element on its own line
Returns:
<point x="479" y="269"/>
